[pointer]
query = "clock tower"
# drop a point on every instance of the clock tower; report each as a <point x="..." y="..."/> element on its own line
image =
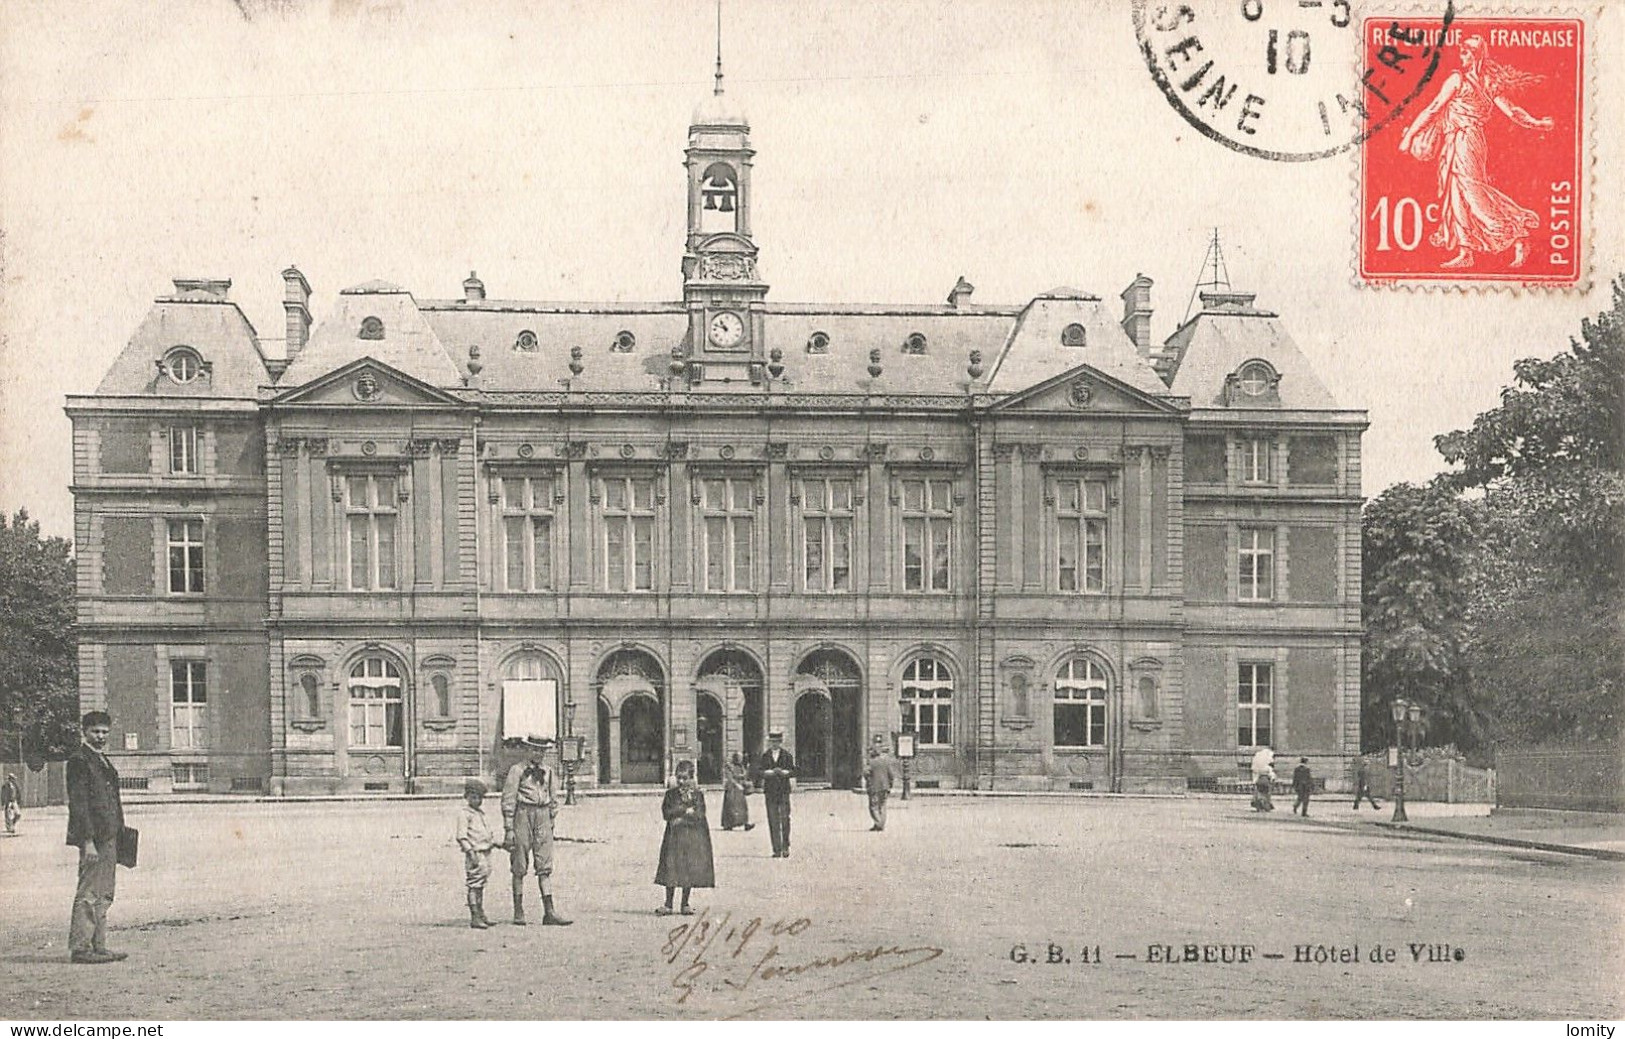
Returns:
<point x="721" y="286"/>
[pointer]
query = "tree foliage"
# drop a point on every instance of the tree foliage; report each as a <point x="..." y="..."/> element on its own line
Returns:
<point x="39" y="669"/>
<point x="1493" y="595"/>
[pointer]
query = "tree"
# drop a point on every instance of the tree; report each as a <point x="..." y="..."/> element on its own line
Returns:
<point x="1417" y="552"/>
<point x="39" y="668"/>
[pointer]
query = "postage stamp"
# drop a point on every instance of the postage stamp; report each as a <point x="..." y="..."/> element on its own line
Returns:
<point x="1482" y="180"/>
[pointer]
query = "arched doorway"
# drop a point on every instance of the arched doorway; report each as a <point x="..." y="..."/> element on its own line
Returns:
<point x="708" y="728"/>
<point x="632" y="683"/>
<point x="734" y="679"/>
<point x="833" y="677"/>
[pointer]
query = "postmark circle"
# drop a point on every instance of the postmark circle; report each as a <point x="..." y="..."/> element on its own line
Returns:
<point x="1283" y="80"/>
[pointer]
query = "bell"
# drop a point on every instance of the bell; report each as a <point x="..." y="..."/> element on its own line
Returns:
<point x="727" y="205"/>
<point x="710" y="200"/>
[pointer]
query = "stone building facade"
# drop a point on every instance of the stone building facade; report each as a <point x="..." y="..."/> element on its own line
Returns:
<point x="1060" y="555"/>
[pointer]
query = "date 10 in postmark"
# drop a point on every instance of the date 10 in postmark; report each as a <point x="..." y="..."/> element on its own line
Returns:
<point x="1481" y="180"/>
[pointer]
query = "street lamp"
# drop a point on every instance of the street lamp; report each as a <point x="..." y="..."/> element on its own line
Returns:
<point x="571" y="751"/>
<point x="1407" y="722"/>
<point x="905" y="743"/>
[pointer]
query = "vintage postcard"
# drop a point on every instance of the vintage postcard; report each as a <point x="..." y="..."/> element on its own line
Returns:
<point x="683" y="511"/>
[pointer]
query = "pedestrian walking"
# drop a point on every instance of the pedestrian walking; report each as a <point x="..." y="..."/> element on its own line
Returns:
<point x="735" y="788"/>
<point x="1263" y="780"/>
<point x="528" y="809"/>
<point x="778" y="782"/>
<point x="476" y="840"/>
<point x="1303" y="784"/>
<point x="877" y="781"/>
<point x="11" y="801"/>
<point x="96" y="827"/>
<point x="1362" y="784"/>
<point x="685" y="850"/>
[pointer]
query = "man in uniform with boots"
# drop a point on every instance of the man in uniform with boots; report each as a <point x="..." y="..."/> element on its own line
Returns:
<point x="528" y="808"/>
<point x="778" y="779"/>
<point x="95" y="823"/>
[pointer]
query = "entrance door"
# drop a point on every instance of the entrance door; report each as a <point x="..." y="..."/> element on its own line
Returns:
<point x="643" y="745"/>
<point x="840" y="744"/>
<point x="708" y="731"/>
<point x="812" y="736"/>
<point x="846" y="739"/>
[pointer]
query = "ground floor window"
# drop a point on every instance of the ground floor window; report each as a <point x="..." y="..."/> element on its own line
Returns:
<point x="928" y="692"/>
<point x="1254" y="704"/>
<point x="189" y="775"/>
<point x="1080" y="704"/>
<point x="375" y="703"/>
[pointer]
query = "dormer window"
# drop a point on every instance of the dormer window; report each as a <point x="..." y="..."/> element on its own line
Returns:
<point x="1072" y="335"/>
<point x="183" y="364"/>
<point x="525" y="341"/>
<point x="818" y="343"/>
<point x="1255" y="378"/>
<point x="624" y="342"/>
<point x="914" y="344"/>
<point x="371" y="328"/>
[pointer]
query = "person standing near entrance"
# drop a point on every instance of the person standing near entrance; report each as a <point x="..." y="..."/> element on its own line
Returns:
<point x="528" y="808"/>
<point x="778" y="781"/>
<point x="95" y="823"/>
<point x="877" y="780"/>
<point x="735" y="787"/>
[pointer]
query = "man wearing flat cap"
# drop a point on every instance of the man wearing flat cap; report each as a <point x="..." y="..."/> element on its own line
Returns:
<point x="778" y="780"/>
<point x="528" y="808"/>
<point x="474" y="836"/>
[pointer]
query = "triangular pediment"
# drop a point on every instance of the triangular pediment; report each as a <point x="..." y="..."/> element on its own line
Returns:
<point x="1083" y="390"/>
<point x="366" y="382"/>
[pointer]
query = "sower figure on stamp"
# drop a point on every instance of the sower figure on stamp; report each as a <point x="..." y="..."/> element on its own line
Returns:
<point x="685" y="850"/>
<point x="95" y="823"/>
<point x="528" y="808"/>
<point x="476" y="840"/>
<point x="1303" y="784"/>
<point x="878" y="777"/>
<point x="778" y="780"/>
<point x="1362" y="784"/>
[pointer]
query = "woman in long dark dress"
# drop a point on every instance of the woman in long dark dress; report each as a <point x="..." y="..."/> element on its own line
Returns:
<point x="685" y="852"/>
<point x="735" y="785"/>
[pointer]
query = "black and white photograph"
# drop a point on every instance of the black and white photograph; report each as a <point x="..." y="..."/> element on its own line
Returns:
<point x="700" y="510"/>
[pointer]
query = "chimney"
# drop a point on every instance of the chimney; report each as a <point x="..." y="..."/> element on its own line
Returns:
<point x="1137" y="313"/>
<point x="215" y="287"/>
<point x="961" y="290"/>
<point x="473" y="288"/>
<point x="296" y="301"/>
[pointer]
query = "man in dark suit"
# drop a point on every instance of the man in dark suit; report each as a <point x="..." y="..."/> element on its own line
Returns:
<point x="95" y="821"/>
<point x="1303" y="784"/>
<point x="778" y="780"/>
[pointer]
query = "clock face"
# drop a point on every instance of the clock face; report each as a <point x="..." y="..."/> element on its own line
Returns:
<point x="727" y="329"/>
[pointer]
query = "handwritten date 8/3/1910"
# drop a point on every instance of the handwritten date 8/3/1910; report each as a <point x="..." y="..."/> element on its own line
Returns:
<point x="756" y="957"/>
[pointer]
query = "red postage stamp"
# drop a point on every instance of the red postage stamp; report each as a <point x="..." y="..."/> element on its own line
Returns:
<point x="1482" y="179"/>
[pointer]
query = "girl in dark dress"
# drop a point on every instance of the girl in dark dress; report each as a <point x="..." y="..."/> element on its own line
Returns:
<point x="685" y="852"/>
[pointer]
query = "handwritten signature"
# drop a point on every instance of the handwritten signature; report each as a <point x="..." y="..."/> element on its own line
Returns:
<point x="739" y="956"/>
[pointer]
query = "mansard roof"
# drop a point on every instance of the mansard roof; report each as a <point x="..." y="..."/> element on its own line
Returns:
<point x="377" y="320"/>
<point x="212" y="327"/>
<point x="1228" y="332"/>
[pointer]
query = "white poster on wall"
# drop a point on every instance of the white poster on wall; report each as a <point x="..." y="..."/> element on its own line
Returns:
<point x="530" y="709"/>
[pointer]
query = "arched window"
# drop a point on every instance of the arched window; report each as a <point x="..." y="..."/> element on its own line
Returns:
<point x="1080" y="704"/>
<point x="442" y="695"/>
<point x="375" y="703"/>
<point x="928" y="692"/>
<point x="719" y="198"/>
<point x="371" y="328"/>
<point x="1073" y="335"/>
<point x="183" y="364"/>
<point x="1255" y="378"/>
<point x="525" y="341"/>
<point x="310" y="697"/>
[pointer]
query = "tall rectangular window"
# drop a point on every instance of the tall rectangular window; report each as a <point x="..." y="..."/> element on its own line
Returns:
<point x="1257" y="460"/>
<point x="1080" y="515"/>
<point x="527" y="533"/>
<point x="183" y="446"/>
<point x="185" y="556"/>
<point x="629" y="533"/>
<point x="1257" y="564"/>
<point x="927" y="535"/>
<point x="729" y="508"/>
<point x="188" y="705"/>
<point x="1254" y="704"/>
<point x="372" y="517"/>
<point x="826" y="534"/>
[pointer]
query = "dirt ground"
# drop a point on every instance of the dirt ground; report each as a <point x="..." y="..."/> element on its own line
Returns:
<point x="355" y="910"/>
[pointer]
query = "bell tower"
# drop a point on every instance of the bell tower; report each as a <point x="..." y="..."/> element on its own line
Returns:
<point x="721" y="286"/>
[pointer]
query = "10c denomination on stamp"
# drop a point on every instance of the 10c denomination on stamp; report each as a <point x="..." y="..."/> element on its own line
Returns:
<point x="1482" y="180"/>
